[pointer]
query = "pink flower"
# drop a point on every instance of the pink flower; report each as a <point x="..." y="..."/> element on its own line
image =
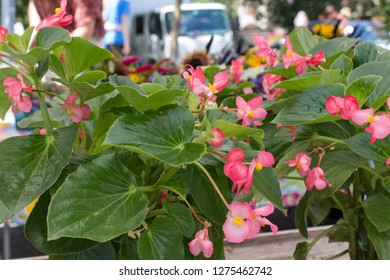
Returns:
<point x="317" y="59"/>
<point x="237" y="171"/>
<point x="315" y="177"/>
<point x="42" y="131"/>
<point x="265" y="211"/>
<point x="218" y="138"/>
<point x="361" y="117"/>
<point x="201" y="243"/>
<point x="291" y="58"/>
<point x="237" y="70"/>
<point x="221" y="80"/>
<point x="379" y="124"/>
<point x="265" y="52"/>
<point x="342" y="106"/>
<point x="22" y="102"/>
<point x="268" y="81"/>
<point x="302" y="163"/>
<point x="388" y="162"/>
<point x="76" y="112"/>
<point x="195" y="79"/>
<point x="3" y="33"/>
<point x="129" y="60"/>
<point x="59" y="19"/>
<point x="250" y="111"/>
<point x="238" y="224"/>
<point x="16" y="86"/>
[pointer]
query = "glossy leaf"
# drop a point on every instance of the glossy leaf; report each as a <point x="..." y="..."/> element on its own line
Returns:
<point x="300" y="217"/>
<point x="366" y="52"/>
<point x="150" y="97"/>
<point x="309" y="106"/>
<point x="90" y="76"/>
<point x="58" y="118"/>
<point x="182" y="217"/>
<point x="21" y="42"/>
<point x="161" y="241"/>
<point x="128" y="249"/>
<point x="380" y="240"/>
<point x="242" y="132"/>
<point x="386" y="183"/>
<point x="86" y="91"/>
<point x="344" y="63"/>
<point x="377" y="209"/>
<point x="378" y="151"/>
<point x="334" y="48"/>
<point x="99" y="202"/>
<point x="36" y="233"/>
<point x="302" y="40"/>
<point x="165" y="134"/>
<point x="362" y="88"/>
<point x="31" y="164"/>
<point x="104" y="251"/>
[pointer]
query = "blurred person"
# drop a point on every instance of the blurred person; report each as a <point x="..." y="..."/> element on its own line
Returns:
<point x="87" y="16"/>
<point x="116" y="24"/>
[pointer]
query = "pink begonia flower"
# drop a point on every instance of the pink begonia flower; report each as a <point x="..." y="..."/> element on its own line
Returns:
<point x="317" y="59"/>
<point x="238" y="224"/>
<point x="3" y="33"/>
<point x="76" y="112"/>
<point x="237" y="70"/>
<point x="237" y="171"/>
<point x="129" y="60"/>
<point x="263" y="212"/>
<point x="250" y="111"/>
<point x="379" y="125"/>
<point x="201" y="243"/>
<point x="342" y="106"/>
<point x="22" y="102"/>
<point x="195" y="79"/>
<point x="268" y="81"/>
<point x="291" y="58"/>
<point x="388" y="162"/>
<point x="302" y="163"/>
<point x="361" y="117"/>
<point x="218" y="137"/>
<point x="315" y="177"/>
<point x="42" y="131"/>
<point x="264" y="159"/>
<point x="59" y="19"/>
<point x="264" y="51"/>
<point x="16" y="86"/>
<point x="221" y="80"/>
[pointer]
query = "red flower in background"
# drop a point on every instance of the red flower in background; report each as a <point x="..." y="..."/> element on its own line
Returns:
<point x="59" y="19"/>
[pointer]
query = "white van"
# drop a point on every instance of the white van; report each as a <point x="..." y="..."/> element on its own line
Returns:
<point x="200" y="22"/>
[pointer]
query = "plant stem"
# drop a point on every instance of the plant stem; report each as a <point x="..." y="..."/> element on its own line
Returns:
<point x="51" y="93"/>
<point x="338" y="255"/>
<point x="373" y="172"/>
<point x="331" y="140"/>
<point x="155" y="213"/>
<point x="42" y="102"/>
<point x="13" y="59"/>
<point x="213" y="183"/>
<point x="216" y="153"/>
<point x="322" y="234"/>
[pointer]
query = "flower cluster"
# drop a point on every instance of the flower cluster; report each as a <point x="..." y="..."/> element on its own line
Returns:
<point x="17" y="91"/>
<point x="59" y="19"/>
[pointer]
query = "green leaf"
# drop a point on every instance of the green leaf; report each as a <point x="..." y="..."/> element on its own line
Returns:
<point x="300" y="217"/>
<point x="386" y="183"/>
<point x="237" y="130"/>
<point x="378" y="151"/>
<point x="302" y="40"/>
<point x="81" y="54"/>
<point x="90" y="76"/>
<point x="268" y="185"/>
<point x="104" y="251"/>
<point x="161" y="241"/>
<point x="382" y="91"/>
<point x="343" y="63"/>
<point x="201" y="188"/>
<point x="334" y="48"/>
<point x="362" y="88"/>
<point x="377" y="209"/>
<point x="301" y="251"/>
<point x="36" y="232"/>
<point x="309" y="107"/>
<point x="150" y="97"/>
<point x="31" y="164"/>
<point x="183" y="218"/>
<point x="58" y="118"/>
<point x="310" y="79"/>
<point x="22" y="42"/>
<point x="100" y="208"/>
<point x="87" y="91"/>
<point x="165" y="134"/>
<point x="338" y="166"/>
<point x="43" y="66"/>
<point x="128" y="249"/>
<point x="171" y="81"/>
<point x="380" y="240"/>
<point x="4" y="213"/>
<point x="366" y="52"/>
<point x="214" y="115"/>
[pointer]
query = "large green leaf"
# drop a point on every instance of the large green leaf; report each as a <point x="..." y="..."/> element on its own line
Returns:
<point x="302" y="40"/>
<point x="4" y="213"/>
<point x="20" y="42"/>
<point x="151" y="97"/>
<point x="58" y="118"/>
<point x="311" y="79"/>
<point x="31" y="164"/>
<point x="380" y="240"/>
<point x="165" y="134"/>
<point x="36" y="232"/>
<point x="212" y="207"/>
<point x="378" y="151"/>
<point x="183" y="218"/>
<point x="309" y="106"/>
<point x="382" y="91"/>
<point x="366" y="52"/>
<point x="300" y="216"/>
<point x="104" y="251"/>
<point x="128" y="249"/>
<point x="338" y="166"/>
<point x="377" y="209"/>
<point x="334" y="48"/>
<point x="86" y="91"/>
<point x="362" y="88"/>
<point x="344" y="63"/>
<point x="99" y="202"/>
<point x="235" y="130"/>
<point x="161" y="241"/>
<point x="90" y="76"/>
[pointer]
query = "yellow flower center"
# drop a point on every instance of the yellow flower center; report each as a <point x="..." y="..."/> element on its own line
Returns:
<point x="58" y="10"/>
<point x="259" y="167"/>
<point x="263" y="60"/>
<point x="251" y="114"/>
<point x="289" y="53"/>
<point x="238" y="221"/>
<point x="371" y="119"/>
<point x="299" y="166"/>
<point x="69" y="111"/>
<point x="212" y="88"/>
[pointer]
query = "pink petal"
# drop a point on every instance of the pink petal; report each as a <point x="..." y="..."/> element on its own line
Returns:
<point x="265" y="210"/>
<point x="254" y="227"/>
<point x="334" y="104"/>
<point x="388" y="102"/>
<point x="207" y="248"/>
<point x="71" y="99"/>
<point x="234" y="233"/>
<point x="86" y="111"/>
<point x="388" y="162"/>
<point x="195" y="247"/>
<point x="255" y="102"/>
<point x="361" y="117"/>
<point x="274" y="228"/>
<point x="266" y="159"/>
<point x="25" y="104"/>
